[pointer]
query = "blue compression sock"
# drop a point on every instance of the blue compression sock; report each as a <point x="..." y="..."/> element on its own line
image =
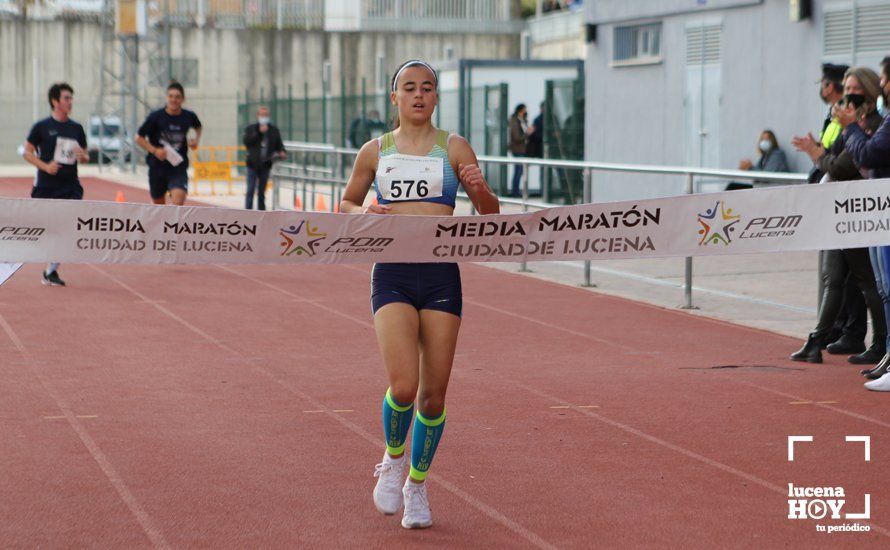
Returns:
<point x="427" y="433"/>
<point x="396" y="421"/>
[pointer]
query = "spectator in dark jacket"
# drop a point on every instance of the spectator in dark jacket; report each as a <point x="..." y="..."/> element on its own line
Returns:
<point x="518" y="133"/>
<point x="838" y="165"/>
<point x="848" y="334"/>
<point x="535" y="146"/>
<point x="871" y="151"/>
<point x="264" y="145"/>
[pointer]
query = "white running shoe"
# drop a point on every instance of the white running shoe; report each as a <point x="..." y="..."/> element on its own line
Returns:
<point x="388" y="492"/>
<point x="417" y="506"/>
<point x="881" y="384"/>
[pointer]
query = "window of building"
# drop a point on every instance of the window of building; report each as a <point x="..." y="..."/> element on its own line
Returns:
<point x="852" y="28"/>
<point x="703" y="44"/>
<point x="637" y="44"/>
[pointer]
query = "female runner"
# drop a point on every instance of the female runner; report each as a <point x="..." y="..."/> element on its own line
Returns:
<point x="417" y="306"/>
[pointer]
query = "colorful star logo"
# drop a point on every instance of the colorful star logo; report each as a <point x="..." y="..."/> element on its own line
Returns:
<point x="301" y="239"/>
<point x="717" y="225"/>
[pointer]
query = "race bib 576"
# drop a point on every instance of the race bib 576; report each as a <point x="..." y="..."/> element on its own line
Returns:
<point x="409" y="177"/>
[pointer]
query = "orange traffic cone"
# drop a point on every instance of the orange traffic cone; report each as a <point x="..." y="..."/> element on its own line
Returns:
<point x="120" y="197"/>
<point x="298" y="204"/>
<point x="320" y="205"/>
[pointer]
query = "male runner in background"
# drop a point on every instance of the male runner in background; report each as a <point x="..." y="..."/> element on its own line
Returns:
<point x="164" y="134"/>
<point x="55" y="145"/>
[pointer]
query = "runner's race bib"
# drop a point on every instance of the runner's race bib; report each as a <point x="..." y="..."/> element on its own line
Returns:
<point x="65" y="151"/>
<point x="173" y="156"/>
<point x="410" y="178"/>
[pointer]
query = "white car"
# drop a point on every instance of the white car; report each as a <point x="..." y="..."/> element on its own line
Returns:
<point x="110" y="141"/>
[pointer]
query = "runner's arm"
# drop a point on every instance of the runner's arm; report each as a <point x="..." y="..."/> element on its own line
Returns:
<point x="193" y="143"/>
<point x="31" y="157"/>
<point x="360" y="182"/>
<point x="470" y="176"/>
<point x="158" y="152"/>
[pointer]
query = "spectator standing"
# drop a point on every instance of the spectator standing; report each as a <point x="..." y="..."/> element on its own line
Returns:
<point x="519" y="132"/>
<point x="263" y="142"/>
<point x="848" y="334"/>
<point x="838" y="165"/>
<point x="872" y="152"/>
<point x="535" y="146"/>
<point x="831" y="90"/>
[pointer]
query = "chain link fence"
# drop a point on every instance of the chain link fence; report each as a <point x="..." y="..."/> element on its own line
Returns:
<point x="564" y="139"/>
<point x="351" y="120"/>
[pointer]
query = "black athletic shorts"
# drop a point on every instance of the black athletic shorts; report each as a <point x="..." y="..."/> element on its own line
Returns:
<point x="425" y="286"/>
<point x="72" y="191"/>
<point x="162" y="179"/>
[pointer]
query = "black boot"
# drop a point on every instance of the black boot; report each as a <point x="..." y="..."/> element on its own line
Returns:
<point x="811" y="352"/>
<point x="833" y="335"/>
<point x="871" y="356"/>
<point x="879" y="370"/>
<point x="845" y="345"/>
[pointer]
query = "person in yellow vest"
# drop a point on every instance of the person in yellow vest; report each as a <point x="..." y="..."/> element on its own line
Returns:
<point x="848" y="334"/>
<point x="831" y="90"/>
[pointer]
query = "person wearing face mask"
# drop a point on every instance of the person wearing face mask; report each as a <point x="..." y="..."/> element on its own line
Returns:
<point x="871" y="151"/>
<point x="264" y="145"/>
<point x="861" y="89"/>
<point x="831" y="90"/>
<point x="848" y="334"/>
<point x="772" y="158"/>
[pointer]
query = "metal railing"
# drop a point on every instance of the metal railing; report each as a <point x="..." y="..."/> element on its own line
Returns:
<point x="320" y="170"/>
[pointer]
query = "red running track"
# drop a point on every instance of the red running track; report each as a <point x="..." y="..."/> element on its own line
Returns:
<point x="237" y="407"/>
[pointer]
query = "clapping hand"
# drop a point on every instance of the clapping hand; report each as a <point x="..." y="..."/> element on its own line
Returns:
<point x="806" y="143"/>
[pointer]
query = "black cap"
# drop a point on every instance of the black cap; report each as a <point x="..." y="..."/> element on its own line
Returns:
<point x="834" y="73"/>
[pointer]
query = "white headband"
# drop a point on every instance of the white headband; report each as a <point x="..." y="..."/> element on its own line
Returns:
<point x="414" y="63"/>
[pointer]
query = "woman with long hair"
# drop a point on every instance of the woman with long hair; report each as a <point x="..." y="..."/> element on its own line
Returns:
<point x="416" y="170"/>
<point x="861" y="85"/>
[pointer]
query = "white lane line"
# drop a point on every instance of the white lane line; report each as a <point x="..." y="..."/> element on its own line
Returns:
<point x="492" y="513"/>
<point x="148" y="525"/>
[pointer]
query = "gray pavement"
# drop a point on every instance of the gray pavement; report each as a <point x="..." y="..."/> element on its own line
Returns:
<point x="774" y="292"/>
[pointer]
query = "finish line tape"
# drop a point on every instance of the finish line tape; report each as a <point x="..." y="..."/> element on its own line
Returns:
<point x="778" y="219"/>
<point x="7" y="271"/>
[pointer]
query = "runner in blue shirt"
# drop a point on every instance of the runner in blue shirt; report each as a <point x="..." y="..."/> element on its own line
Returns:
<point x="164" y="134"/>
<point x="55" y="145"/>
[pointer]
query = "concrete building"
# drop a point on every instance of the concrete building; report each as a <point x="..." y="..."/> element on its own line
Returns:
<point x="221" y="50"/>
<point x="694" y="82"/>
<point x="554" y="35"/>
